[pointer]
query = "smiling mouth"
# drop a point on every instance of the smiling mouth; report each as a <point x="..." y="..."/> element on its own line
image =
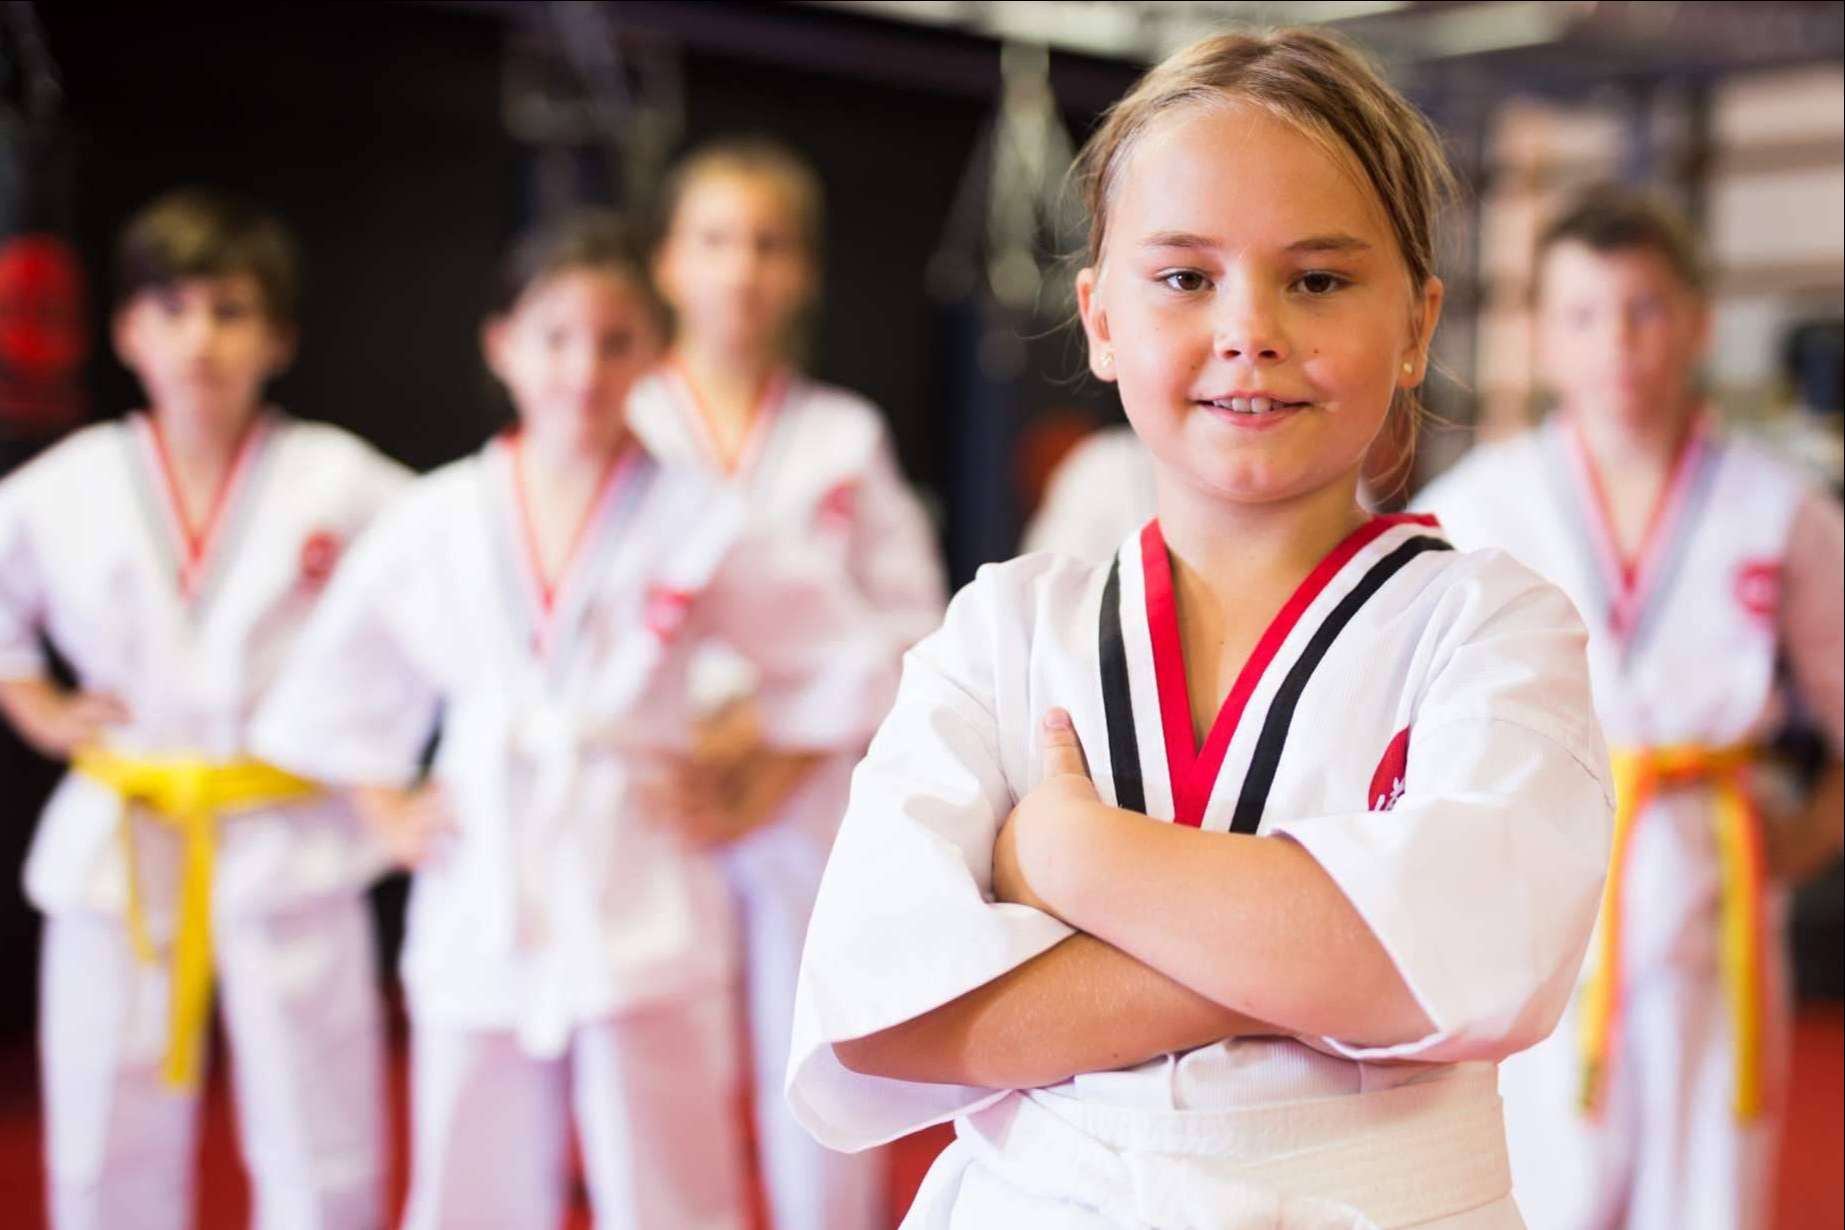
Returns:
<point x="1254" y="405"/>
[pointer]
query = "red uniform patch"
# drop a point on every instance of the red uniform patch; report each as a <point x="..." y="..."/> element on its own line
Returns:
<point x="838" y="505"/>
<point x="1387" y="782"/>
<point x="320" y="551"/>
<point x="666" y="610"/>
<point x="1758" y="587"/>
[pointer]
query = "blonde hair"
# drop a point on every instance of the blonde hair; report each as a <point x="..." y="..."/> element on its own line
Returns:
<point x="753" y="158"/>
<point x="1321" y="86"/>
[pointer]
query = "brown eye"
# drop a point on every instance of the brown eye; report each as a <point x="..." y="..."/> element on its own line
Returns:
<point x="1184" y="280"/>
<point x="1319" y="282"/>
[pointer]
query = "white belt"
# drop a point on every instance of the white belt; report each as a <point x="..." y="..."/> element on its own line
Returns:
<point x="1394" y="1157"/>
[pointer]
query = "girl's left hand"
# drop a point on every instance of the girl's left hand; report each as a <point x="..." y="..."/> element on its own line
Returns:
<point x="1043" y="822"/>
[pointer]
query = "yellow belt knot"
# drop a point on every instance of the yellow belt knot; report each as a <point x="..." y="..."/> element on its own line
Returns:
<point x="187" y="794"/>
<point x="1640" y="775"/>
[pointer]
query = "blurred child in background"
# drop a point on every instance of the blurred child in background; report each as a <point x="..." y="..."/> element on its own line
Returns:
<point x="173" y="557"/>
<point x="1710" y="574"/>
<point x="739" y="265"/>
<point x="568" y="955"/>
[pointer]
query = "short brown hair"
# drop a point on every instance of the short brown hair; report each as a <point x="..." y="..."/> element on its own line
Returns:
<point x="593" y="238"/>
<point x="756" y="157"/>
<point x="1616" y="218"/>
<point x="196" y="233"/>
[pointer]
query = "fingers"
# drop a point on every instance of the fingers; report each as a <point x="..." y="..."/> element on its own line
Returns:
<point x="100" y="709"/>
<point x="426" y="826"/>
<point x="1063" y="753"/>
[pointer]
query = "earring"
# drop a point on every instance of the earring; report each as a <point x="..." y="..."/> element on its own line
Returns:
<point x="1105" y="360"/>
<point x="1408" y="367"/>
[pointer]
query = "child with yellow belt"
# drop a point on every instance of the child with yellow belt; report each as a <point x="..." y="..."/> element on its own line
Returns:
<point x="172" y="556"/>
<point x="1709" y="572"/>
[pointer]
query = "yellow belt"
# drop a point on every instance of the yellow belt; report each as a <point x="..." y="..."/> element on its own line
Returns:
<point x="1640" y="774"/>
<point x="188" y="794"/>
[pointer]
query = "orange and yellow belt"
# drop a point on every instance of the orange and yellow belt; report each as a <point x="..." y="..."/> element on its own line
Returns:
<point x="1640" y="776"/>
<point x="188" y="795"/>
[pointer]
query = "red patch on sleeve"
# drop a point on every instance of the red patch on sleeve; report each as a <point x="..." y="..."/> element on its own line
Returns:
<point x="1758" y="587"/>
<point x="666" y="610"/>
<point x="320" y="551"/>
<point x="1387" y="782"/>
<point x="838" y="506"/>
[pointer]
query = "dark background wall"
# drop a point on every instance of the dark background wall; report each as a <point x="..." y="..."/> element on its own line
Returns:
<point x="377" y="132"/>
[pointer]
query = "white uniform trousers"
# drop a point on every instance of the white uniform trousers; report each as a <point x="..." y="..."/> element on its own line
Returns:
<point x="298" y="992"/>
<point x="1666" y="1153"/>
<point x="775" y="875"/>
<point x="653" y="1095"/>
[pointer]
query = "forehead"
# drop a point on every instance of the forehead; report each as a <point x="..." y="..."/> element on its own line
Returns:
<point x="238" y="283"/>
<point x="1572" y="270"/>
<point x="1239" y="175"/>
<point x="582" y="291"/>
<point x="730" y="193"/>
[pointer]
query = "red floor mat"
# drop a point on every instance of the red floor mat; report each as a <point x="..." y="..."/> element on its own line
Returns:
<point x="1810" y="1193"/>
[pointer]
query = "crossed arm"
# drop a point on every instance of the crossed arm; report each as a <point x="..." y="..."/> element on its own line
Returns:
<point x="1295" y="957"/>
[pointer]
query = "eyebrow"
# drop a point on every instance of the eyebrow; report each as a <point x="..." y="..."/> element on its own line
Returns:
<point x="1330" y="243"/>
<point x="1337" y="242"/>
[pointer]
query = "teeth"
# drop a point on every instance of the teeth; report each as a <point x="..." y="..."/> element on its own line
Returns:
<point x="1251" y="405"/>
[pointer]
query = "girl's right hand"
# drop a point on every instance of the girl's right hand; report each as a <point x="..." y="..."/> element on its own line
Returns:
<point x="412" y="822"/>
<point x="58" y="723"/>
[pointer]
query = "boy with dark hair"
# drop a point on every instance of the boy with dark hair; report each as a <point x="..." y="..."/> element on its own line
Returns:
<point x="1710" y="573"/>
<point x="172" y="556"/>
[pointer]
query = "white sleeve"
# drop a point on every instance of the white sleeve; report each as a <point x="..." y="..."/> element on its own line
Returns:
<point x="828" y="667"/>
<point x="905" y="920"/>
<point x="356" y="702"/>
<point x="1482" y="883"/>
<point x="22" y="590"/>
<point x="894" y="555"/>
<point x="1088" y="506"/>
<point x="381" y="482"/>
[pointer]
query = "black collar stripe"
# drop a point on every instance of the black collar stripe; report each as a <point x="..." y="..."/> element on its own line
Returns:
<point x="1118" y="700"/>
<point x="1261" y="776"/>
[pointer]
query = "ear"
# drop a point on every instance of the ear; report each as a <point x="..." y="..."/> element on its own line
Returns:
<point x="1095" y="323"/>
<point x="1703" y="329"/>
<point x="664" y="269"/>
<point x="495" y="341"/>
<point x="122" y="336"/>
<point x="284" y="340"/>
<point x="1422" y="333"/>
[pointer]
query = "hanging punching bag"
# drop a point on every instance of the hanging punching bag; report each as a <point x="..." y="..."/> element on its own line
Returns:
<point x="43" y="304"/>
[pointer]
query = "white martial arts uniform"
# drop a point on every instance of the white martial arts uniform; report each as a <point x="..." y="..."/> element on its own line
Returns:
<point x="1099" y="494"/>
<point x="189" y="632"/>
<point x="818" y="470"/>
<point x="1683" y="650"/>
<point x="564" y="948"/>
<point x="1418" y="720"/>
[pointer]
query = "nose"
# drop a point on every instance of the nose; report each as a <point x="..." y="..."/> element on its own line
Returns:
<point x="580" y="368"/>
<point x="1247" y="325"/>
<point x="197" y="330"/>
